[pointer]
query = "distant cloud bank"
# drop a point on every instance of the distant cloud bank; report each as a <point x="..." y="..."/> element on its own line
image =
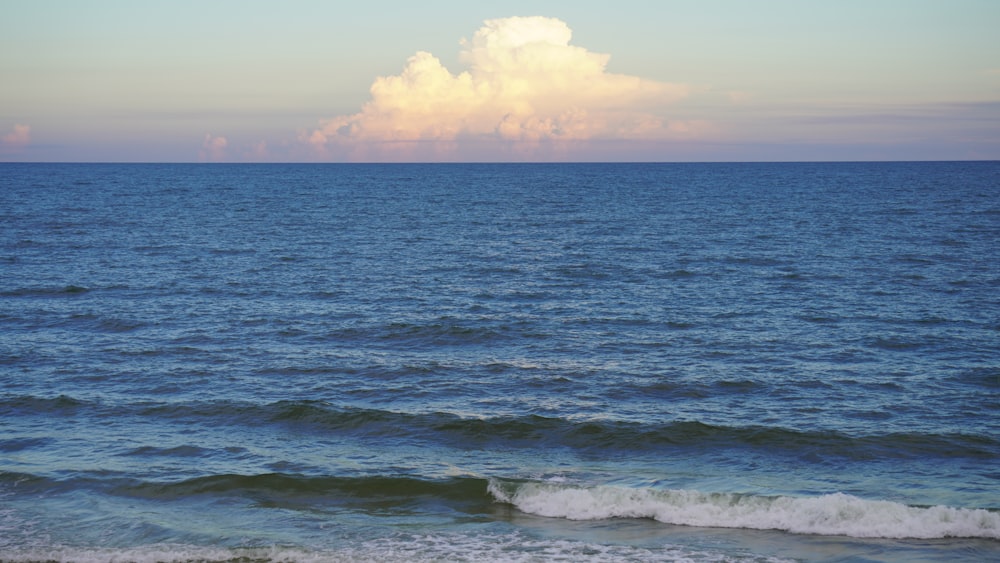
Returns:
<point x="213" y="149"/>
<point x="526" y="91"/>
<point x="18" y="138"/>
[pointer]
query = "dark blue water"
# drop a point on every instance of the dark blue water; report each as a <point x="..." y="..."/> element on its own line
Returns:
<point x="566" y="362"/>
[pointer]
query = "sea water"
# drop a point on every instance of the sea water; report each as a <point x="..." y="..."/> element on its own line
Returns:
<point x="500" y="362"/>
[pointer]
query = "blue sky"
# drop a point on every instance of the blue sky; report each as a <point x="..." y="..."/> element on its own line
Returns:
<point x="309" y="80"/>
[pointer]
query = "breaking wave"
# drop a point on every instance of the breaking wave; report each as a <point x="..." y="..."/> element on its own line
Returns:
<point x="835" y="514"/>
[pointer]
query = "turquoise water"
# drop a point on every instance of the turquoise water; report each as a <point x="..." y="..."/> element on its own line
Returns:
<point x="604" y="362"/>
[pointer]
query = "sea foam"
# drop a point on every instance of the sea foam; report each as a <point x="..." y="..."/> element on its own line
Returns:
<point x="408" y="548"/>
<point x="835" y="514"/>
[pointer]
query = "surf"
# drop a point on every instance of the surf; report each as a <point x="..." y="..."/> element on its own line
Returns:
<point x="835" y="514"/>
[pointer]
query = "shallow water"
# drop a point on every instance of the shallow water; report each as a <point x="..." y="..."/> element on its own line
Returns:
<point x="664" y="362"/>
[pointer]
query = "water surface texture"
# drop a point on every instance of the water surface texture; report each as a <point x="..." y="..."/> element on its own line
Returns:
<point x="538" y="362"/>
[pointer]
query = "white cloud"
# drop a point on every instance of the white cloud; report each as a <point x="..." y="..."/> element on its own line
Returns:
<point x="19" y="137"/>
<point x="213" y="149"/>
<point x="526" y="87"/>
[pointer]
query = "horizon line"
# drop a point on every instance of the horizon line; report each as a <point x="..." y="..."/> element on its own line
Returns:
<point x="492" y="162"/>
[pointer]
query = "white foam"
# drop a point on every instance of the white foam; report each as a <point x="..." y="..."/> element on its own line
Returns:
<point x="493" y="548"/>
<point x="835" y="514"/>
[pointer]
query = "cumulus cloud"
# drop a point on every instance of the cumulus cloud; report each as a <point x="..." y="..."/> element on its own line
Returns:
<point x="213" y="149"/>
<point x="19" y="137"/>
<point x="526" y="86"/>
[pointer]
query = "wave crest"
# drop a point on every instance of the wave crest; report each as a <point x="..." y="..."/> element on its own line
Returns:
<point x="835" y="514"/>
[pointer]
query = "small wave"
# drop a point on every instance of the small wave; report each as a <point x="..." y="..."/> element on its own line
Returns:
<point x="988" y="377"/>
<point x="179" y="451"/>
<point x="680" y="274"/>
<point x="30" y="405"/>
<point x="582" y="272"/>
<point x="898" y="344"/>
<point x="598" y="437"/>
<point x="832" y="515"/>
<point x="282" y="488"/>
<point x="84" y="322"/>
<point x="45" y="291"/>
<point x="96" y="323"/>
<point x="33" y="486"/>
<point x="442" y="333"/>
<point x="436" y="333"/>
<point x="19" y="444"/>
<point x="670" y="390"/>
<point x="373" y="492"/>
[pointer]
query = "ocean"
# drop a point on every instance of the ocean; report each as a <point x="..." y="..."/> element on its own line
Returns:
<point x="500" y="362"/>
